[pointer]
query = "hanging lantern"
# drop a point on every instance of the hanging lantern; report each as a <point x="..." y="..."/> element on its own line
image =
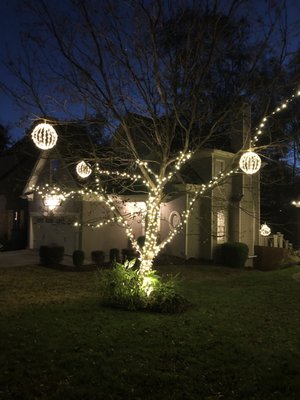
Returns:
<point x="250" y="162"/>
<point x="83" y="170"/>
<point x="44" y="136"/>
<point x="265" y="230"/>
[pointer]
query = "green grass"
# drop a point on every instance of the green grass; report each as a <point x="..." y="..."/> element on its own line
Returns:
<point x="239" y="340"/>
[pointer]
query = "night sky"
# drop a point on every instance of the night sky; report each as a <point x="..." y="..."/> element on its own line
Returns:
<point x="10" y="22"/>
<point x="9" y="30"/>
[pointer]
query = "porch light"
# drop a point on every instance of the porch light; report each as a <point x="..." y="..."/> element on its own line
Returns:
<point x="265" y="230"/>
<point x="44" y="136"/>
<point x="83" y="170"/>
<point x="52" y="201"/>
<point x="250" y="162"/>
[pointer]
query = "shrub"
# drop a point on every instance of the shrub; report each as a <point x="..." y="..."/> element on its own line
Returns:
<point x="114" y="256"/>
<point x="165" y="297"/>
<point x="98" y="257"/>
<point x="43" y="254"/>
<point x="231" y="254"/>
<point x="78" y="257"/>
<point x="51" y="255"/>
<point x="127" y="254"/>
<point x="124" y="287"/>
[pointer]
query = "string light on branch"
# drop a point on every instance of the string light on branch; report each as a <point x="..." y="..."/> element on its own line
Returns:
<point x="83" y="169"/>
<point x="44" y="136"/>
<point x="265" y="230"/>
<point x="250" y="162"/>
<point x="118" y="174"/>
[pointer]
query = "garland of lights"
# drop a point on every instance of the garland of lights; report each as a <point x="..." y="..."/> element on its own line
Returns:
<point x="249" y="163"/>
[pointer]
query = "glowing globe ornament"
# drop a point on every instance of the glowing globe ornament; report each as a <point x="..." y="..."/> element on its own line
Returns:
<point x="83" y="170"/>
<point x="250" y="162"/>
<point x="265" y="230"/>
<point x="44" y="136"/>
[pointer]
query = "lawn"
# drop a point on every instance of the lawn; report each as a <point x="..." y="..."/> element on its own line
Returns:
<point x="239" y="340"/>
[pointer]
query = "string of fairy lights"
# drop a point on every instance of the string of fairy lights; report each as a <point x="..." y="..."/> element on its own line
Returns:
<point x="45" y="137"/>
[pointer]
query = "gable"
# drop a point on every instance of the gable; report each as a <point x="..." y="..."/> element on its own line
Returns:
<point x="50" y="168"/>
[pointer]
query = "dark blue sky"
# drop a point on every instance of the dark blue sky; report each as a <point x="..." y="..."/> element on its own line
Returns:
<point x="9" y="31"/>
<point x="11" y="20"/>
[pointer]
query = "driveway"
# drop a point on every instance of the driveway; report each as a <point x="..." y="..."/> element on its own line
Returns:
<point x="19" y="258"/>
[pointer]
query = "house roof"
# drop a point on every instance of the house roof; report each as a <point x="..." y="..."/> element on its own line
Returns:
<point x="75" y="143"/>
<point x="16" y="165"/>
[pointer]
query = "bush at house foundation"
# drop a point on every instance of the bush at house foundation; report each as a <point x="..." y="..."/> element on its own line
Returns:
<point x="98" y="257"/>
<point x="114" y="256"/>
<point x="51" y="255"/>
<point x="78" y="258"/>
<point x="231" y="254"/>
<point x="270" y="258"/>
<point x="127" y="254"/>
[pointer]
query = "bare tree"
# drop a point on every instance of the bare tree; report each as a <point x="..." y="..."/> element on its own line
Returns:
<point x="169" y="77"/>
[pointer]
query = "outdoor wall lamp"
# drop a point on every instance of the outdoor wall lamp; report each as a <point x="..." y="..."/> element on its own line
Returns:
<point x="52" y="201"/>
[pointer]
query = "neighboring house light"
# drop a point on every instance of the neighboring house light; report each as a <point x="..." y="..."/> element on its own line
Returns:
<point x="44" y="136"/>
<point x="265" y="230"/>
<point x="83" y="170"/>
<point x="296" y="203"/>
<point x="250" y="162"/>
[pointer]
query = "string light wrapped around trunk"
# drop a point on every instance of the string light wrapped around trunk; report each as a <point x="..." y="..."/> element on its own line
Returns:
<point x="44" y="136"/>
<point x="83" y="170"/>
<point x="250" y="162"/>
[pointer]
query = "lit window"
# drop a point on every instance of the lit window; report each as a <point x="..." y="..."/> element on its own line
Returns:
<point x="220" y="226"/>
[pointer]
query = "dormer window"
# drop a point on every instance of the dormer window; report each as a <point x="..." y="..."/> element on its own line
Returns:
<point x="219" y="166"/>
<point x="54" y="164"/>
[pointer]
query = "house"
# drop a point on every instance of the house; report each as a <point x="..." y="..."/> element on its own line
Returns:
<point x="229" y="212"/>
<point x="16" y="164"/>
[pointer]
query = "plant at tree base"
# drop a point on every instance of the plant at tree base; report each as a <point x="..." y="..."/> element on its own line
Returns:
<point x="126" y="287"/>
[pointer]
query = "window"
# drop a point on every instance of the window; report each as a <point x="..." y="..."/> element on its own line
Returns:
<point x="219" y="166"/>
<point x="54" y="164"/>
<point x="221" y="226"/>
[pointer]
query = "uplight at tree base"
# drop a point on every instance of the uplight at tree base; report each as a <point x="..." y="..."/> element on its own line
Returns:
<point x="250" y="162"/>
<point x="44" y="136"/>
<point x="147" y="285"/>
